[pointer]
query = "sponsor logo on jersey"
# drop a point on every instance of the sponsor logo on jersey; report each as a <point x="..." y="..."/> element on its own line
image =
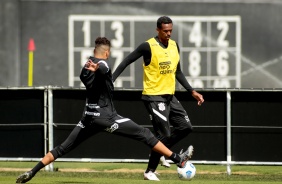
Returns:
<point x="164" y="67"/>
<point x="165" y="63"/>
<point x="92" y="113"/>
<point x="93" y="106"/>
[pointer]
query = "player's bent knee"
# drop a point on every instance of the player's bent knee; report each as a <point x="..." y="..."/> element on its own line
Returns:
<point x="58" y="151"/>
<point x="166" y="136"/>
<point x="149" y="138"/>
<point x="188" y="130"/>
<point x="187" y="126"/>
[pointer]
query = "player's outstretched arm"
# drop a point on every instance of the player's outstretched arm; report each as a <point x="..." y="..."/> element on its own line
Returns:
<point x="132" y="57"/>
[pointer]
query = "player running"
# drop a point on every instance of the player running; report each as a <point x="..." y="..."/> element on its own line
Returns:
<point x="100" y="115"/>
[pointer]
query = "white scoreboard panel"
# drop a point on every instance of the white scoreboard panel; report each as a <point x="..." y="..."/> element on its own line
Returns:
<point x="210" y="46"/>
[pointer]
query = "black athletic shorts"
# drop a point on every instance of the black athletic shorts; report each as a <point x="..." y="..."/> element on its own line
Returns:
<point x="166" y="111"/>
<point x="115" y="125"/>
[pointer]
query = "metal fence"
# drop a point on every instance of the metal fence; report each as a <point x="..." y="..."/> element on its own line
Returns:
<point x="234" y="126"/>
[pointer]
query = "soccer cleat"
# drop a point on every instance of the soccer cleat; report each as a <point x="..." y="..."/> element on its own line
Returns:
<point x="151" y="176"/>
<point x="25" y="177"/>
<point x="164" y="162"/>
<point x="156" y="173"/>
<point x="185" y="156"/>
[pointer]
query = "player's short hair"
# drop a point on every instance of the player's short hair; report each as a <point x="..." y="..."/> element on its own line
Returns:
<point x="102" y="41"/>
<point x="163" y="20"/>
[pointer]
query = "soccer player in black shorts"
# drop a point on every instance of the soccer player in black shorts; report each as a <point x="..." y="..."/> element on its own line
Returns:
<point x="160" y="69"/>
<point x="100" y="115"/>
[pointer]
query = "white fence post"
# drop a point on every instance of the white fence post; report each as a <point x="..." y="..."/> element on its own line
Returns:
<point x="228" y="130"/>
<point x="50" y="125"/>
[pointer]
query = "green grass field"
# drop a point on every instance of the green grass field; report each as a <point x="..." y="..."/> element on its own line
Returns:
<point x="121" y="173"/>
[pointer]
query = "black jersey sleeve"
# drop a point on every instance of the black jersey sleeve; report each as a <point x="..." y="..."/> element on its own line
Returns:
<point x="103" y="67"/>
<point x="142" y="50"/>
<point x="182" y="80"/>
<point x="180" y="76"/>
<point x="87" y="77"/>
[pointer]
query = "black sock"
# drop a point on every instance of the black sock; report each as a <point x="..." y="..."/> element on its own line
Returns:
<point x="37" y="168"/>
<point x="153" y="161"/>
<point x="175" y="158"/>
<point x="149" y="169"/>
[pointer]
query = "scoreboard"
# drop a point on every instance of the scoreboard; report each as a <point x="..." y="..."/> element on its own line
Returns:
<point x="210" y="46"/>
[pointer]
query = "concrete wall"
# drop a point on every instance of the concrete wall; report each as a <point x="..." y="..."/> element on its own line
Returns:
<point x="258" y="56"/>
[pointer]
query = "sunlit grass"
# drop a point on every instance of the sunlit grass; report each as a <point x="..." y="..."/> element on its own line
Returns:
<point x="121" y="173"/>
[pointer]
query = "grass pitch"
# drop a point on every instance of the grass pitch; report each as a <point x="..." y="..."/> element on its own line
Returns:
<point x="132" y="173"/>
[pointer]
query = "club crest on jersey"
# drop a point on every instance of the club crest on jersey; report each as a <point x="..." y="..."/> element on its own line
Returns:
<point x="161" y="106"/>
<point x="112" y="128"/>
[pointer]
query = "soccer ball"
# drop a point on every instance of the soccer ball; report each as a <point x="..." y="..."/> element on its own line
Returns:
<point x="187" y="172"/>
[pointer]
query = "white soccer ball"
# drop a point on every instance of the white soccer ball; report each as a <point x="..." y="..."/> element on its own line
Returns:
<point x="187" y="172"/>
